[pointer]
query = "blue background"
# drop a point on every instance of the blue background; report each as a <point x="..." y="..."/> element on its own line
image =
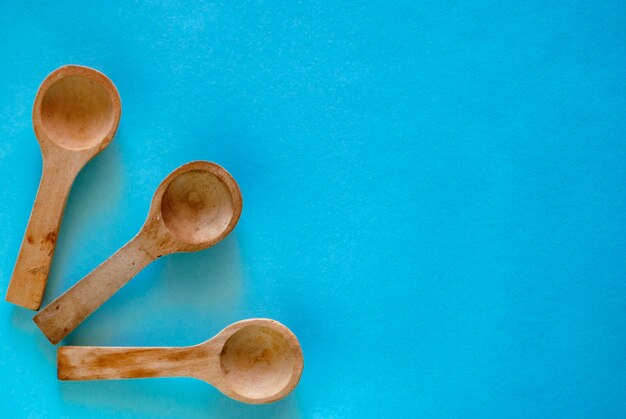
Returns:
<point x="434" y="201"/>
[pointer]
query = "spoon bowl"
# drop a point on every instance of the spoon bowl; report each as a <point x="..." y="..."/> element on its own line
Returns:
<point x="75" y="116"/>
<point x="257" y="362"/>
<point x="196" y="206"/>
<point x="75" y="111"/>
<point x="253" y="361"/>
<point x="199" y="204"/>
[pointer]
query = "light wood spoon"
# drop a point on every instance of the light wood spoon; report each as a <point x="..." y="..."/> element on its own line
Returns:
<point x="195" y="207"/>
<point x="75" y="116"/>
<point x="253" y="361"/>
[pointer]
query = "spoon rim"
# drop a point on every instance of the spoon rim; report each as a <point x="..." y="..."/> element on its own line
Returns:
<point x="224" y="177"/>
<point x="74" y="70"/>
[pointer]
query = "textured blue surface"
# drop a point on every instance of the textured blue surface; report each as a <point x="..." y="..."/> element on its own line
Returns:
<point x="434" y="201"/>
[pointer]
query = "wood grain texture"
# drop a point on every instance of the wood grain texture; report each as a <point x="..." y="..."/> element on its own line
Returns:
<point x="254" y="361"/>
<point x="67" y="311"/>
<point x="196" y="206"/>
<point x="75" y="116"/>
<point x="104" y="363"/>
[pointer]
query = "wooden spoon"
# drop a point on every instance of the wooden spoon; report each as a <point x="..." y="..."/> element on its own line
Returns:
<point x="75" y="116"/>
<point x="253" y="361"/>
<point x="195" y="207"/>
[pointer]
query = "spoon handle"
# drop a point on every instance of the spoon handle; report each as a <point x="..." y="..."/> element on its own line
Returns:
<point x="30" y="274"/>
<point x="62" y="315"/>
<point x="110" y="363"/>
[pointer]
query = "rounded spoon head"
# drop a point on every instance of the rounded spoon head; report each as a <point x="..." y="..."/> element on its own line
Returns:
<point x="76" y="109"/>
<point x="260" y="361"/>
<point x="198" y="205"/>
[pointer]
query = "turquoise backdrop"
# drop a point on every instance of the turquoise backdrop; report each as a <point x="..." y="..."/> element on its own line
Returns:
<point x="434" y="201"/>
